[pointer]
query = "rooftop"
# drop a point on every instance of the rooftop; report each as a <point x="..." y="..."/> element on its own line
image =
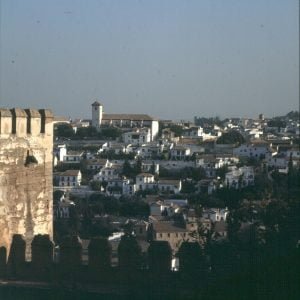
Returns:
<point x="167" y="227"/>
<point x="70" y="173"/>
<point x="132" y="117"/>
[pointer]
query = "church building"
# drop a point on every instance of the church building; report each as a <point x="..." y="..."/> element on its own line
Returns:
<point x="123" y="121"/>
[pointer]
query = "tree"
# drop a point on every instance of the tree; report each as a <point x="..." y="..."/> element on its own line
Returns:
<point x="57" y="196"/>
<point x="86" y="132"/>
<point x="221" y="172"/>
<point x="176" y="129"/>
<point x="110" y="132"/>
<point x="63" y="130"/>
<point x="127" y="169"/>
<point x="231" y="137"/>
<point x="188" y="187"/>
<point x="138" y="166"/>
<point x="96" y="185"/>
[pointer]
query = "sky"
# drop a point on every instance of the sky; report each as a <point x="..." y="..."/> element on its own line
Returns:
<point x="171" y="59"/>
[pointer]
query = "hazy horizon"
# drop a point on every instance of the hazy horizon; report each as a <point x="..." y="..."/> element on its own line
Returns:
<point x="172" y="59"/>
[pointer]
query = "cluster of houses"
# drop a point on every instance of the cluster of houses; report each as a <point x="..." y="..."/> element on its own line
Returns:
<point x="196" y="148"/>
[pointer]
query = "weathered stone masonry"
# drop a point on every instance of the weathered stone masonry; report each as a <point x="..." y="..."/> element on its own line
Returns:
<point x="26" y="141"/>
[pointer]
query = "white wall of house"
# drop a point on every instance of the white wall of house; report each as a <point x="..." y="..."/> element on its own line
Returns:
<point x="61" y="152"/>
<point x="145" y="181"/>
<point x="150" y="150"/>
<point x="107" y="174"/>
<point x="255" y="151"/>
<point x="154" y="129"/>
<point x="70" y="179"/>
<point x="172" y="186"/>
<point x="180" y="153"/>
<point x="215" y="214"/>
<point x="277" y="162"/>
<point x="137" y="137"/>
<point x="295" y="153"/>
<point x="244" y="175"/>
<point x="147" y="166"/>
<point x="194" y="132"/>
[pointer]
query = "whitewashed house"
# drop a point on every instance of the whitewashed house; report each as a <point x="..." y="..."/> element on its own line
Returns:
<point x="108" y="173"/>
<point x="252" y="150"/>
<point x="278" y="161"/>
<point x="215" y="214"/>
<point x="180" y="152"/>
<point x="145" y="181"/>
<point x="150" y="150"/>
<point x="70" y="178"/>
<point x="206" y="186"/>
<point x="193" y="132"/>
<point x="294" y="152"/>
<point x="60" y="151"/>
<point x="73" y="157"/>
<point x="240" y="178"/>
<point x="169" y="186"/>
<point x="97" y="164"/>
<point x="120" y="186"/>
<point x="137" y="137"/>
<point x="149" y="166"/>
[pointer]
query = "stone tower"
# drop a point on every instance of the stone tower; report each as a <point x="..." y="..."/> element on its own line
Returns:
<point x="97" y="112"/>
<point x="26" y="143"/>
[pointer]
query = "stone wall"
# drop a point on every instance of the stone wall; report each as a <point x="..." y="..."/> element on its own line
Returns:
<point x="26" y="142"/>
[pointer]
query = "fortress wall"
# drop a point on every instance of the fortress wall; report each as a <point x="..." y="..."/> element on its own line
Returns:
<point x="26" y="142"/>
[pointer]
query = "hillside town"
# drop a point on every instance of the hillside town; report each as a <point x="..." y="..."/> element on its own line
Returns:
<point x="219" y="183"/>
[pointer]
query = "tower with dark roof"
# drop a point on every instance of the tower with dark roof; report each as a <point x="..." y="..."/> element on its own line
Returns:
<point x="97" y="114"/>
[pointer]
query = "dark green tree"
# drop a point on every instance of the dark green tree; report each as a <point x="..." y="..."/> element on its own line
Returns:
<point x="63" y="130"/>
<point x="231" y="137"/>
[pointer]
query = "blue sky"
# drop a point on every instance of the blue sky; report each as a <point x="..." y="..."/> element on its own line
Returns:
<point x="168" y="58"/>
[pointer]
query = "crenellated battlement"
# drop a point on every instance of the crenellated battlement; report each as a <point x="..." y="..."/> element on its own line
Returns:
<point x="26" y="144"/>
<point x="25" y="122"/>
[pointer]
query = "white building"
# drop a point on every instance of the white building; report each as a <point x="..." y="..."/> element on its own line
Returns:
<point x="99" y="118"/>
<point x="252" y="150"/>
<point x="149" y="166"/>
<point x="150" y="150"/>
<point x="193" y="132"/>
<point x="117" y="187"/>
<point x="215" y="214"/>
<point x="97" y="164"/>
<point x="70" y="178"/>
<point x="108" y="173"/>
<point x="180" y="152"/>
<point x="169" y="186"/>
<point x="206" y="186"/>
<point x="240" y="178"/>
<point x="60" y="151"/>
<point x="294" y="152"/>
<point x="278" y="161"/>
<point x="145" y="181"/>
<point x="73" y="157"/>
<point x="137" y="136"/>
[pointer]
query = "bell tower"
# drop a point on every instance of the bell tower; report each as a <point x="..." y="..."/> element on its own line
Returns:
<point x="97" y="111"/>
